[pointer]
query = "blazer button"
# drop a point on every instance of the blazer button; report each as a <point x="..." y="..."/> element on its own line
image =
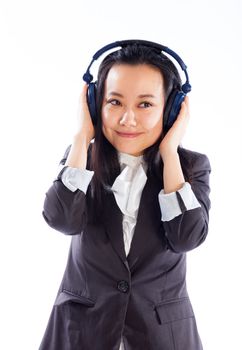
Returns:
<point x="123" y="286"/>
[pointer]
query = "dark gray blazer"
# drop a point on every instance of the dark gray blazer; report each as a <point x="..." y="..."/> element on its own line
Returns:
<point x="143" y="296"/>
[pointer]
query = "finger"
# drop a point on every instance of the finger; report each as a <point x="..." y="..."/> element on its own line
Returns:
<point x="183" y="110"/>
<point x="83" y="95"/>
<point x="187" y="102"/>
<point x="84" y="89"/>
<point x="185" y="107"/>
<point x="186" y="99"/>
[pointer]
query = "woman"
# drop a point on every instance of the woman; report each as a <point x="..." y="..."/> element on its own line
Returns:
<point x="135" y="202"/>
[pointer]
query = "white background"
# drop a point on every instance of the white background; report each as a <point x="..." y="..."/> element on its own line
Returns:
<point x="45" y="49"/>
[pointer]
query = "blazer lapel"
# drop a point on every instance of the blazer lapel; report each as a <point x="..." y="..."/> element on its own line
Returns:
<point x="113" y="225"/>
<point x="147" y="230"/>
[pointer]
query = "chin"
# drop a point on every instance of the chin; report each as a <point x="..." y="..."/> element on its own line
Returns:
<point x="135" y="152"/>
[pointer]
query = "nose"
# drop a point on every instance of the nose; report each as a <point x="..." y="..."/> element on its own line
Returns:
<point x="128" y="118"/>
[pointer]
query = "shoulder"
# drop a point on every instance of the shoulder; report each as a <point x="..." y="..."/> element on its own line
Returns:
<point x="194" y="158"/>
<point x="193" y="162"/>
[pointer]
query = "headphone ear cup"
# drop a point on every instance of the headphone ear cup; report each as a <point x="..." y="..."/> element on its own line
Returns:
<point x="172" y="108"/>
<point x="91" y="101"/>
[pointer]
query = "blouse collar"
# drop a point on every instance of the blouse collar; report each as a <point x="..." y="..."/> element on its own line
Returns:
<point x="130" y="160"/>
<point x="128" y="186"/>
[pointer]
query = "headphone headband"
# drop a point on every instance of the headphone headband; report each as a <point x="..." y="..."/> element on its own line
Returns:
<point x="175" y="98"/>
<point x="87" y="77"/>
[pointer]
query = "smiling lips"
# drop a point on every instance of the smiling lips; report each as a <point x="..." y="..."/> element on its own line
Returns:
<point x="128" y="134"/>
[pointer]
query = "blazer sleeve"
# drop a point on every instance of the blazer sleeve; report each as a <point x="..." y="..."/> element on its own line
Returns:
<point x="64" y="210"/>
<point x="189" y="229"/>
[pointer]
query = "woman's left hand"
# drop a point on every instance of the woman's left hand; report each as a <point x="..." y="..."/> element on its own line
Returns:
<point x="173" y="137"/>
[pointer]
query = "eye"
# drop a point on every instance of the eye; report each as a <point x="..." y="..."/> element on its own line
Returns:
<point x="145" y="104"/>
<point x="114" y="102"/>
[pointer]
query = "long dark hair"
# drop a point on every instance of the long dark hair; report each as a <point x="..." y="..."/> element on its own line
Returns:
<point x="103" y="156"/>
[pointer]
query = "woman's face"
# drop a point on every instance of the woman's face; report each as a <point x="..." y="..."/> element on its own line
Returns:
<point x="132" y="108"/>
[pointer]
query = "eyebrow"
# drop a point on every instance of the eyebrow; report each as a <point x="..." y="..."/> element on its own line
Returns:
<point x="114" y="93"/>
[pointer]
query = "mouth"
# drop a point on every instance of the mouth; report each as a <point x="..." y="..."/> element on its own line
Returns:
<point x="129" y="134"/>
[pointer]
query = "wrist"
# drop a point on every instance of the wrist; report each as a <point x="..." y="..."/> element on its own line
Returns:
<point x="169" y="154"/>
<point x="81" y="140"/>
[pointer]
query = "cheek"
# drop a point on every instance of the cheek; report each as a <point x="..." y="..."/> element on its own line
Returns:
<point x="106" y="119"/>
<point x="107" y="125"/>
<point x="154" y="122"/>
<point x="104" y="123"/>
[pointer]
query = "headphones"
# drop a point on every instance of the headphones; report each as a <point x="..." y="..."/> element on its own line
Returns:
<point x="174" y="100"/>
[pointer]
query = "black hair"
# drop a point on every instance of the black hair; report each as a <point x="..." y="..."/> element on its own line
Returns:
<point x="104" y="157"/>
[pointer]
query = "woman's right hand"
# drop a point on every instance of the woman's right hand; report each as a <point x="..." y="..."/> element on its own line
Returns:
<point x="85" y="128"/>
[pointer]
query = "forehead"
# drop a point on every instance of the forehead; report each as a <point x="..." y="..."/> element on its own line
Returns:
<point x="134" y="78"/>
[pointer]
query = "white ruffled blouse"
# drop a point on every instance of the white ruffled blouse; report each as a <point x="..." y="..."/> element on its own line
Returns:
<point x="127" y="189"/>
